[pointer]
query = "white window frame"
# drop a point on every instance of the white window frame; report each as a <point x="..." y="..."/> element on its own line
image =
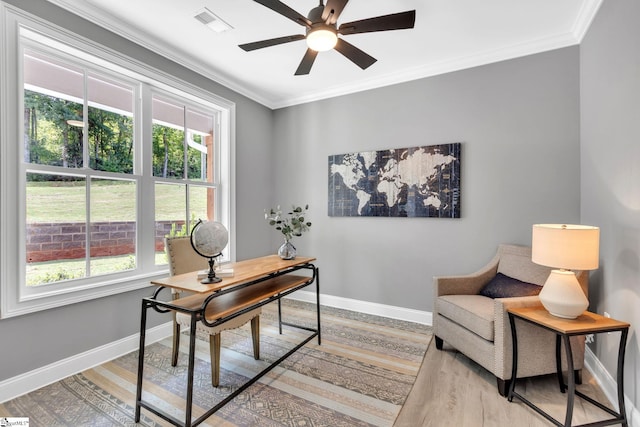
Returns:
<point x="15" y="24"/>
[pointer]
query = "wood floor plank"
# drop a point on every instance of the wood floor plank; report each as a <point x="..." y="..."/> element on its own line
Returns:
<point x="452" y="390"/>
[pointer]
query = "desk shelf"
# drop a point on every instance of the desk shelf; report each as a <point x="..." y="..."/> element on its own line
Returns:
<point x="220" y="307"/>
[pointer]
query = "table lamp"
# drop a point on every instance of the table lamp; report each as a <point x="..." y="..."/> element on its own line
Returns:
<point x="564" y="248"/>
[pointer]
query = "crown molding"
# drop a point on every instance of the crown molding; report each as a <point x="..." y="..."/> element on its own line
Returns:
<point x="451" y="65"/>
<point x="587" y="13"/>
<point x="573" y="37"/>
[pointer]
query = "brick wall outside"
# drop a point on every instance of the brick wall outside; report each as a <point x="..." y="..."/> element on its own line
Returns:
<point x="52" y="241"/>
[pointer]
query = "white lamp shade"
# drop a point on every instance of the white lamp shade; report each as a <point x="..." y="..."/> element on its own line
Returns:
<point x="570" y="247"/>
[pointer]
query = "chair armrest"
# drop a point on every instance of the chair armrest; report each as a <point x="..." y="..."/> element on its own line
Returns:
<point x="501" y="305"/>
<point x="469" y="284"/>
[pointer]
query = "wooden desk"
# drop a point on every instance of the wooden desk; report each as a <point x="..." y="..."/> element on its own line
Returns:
<point x="255" y="282"/>
<point x="585" y="324"/>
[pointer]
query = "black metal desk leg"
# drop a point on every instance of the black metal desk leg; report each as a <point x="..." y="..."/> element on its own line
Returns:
<point x="190" y="370"/>
<point x="571" y="380"/>
<point x="621" y="351"/>
<point x="514" y="358"/>
<point x="143" y="328"/>
<point x="280" y="316"/>
<point x="318" y="302"/>
<point x="563" y="386"/>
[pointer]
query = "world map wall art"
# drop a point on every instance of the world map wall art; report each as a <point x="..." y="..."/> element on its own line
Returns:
<point x="400" y="182"/>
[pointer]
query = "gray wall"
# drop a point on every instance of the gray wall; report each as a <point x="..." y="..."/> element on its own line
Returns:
<point x="519" y="124"/>
<point x="610" y="179"/>
<point x="48" y="336"/>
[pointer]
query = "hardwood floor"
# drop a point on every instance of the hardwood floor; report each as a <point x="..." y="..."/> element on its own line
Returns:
<point x="452" y="390"/>
<point x="359" y="376"/>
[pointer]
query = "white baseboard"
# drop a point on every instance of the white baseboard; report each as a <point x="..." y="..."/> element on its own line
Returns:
<point x="393" y="312"/>
<point x="33" y="380"/>
<point x="610" y="387"/>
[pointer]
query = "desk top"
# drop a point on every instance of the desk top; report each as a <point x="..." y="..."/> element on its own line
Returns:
<point x="586" y="323"/>
<point x="243" y="271"/>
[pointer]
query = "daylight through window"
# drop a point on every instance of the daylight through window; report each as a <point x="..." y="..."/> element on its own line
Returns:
<point x="111" y="162"/>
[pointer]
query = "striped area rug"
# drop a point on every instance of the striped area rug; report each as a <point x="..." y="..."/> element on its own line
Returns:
<point x="359" y="376"/>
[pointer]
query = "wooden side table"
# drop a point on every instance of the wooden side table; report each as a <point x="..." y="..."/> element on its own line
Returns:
<point x="585" y="324"/>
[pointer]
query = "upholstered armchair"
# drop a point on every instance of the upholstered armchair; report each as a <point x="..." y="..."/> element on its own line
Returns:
<point x="478" y="325"/>
<point x="183" y="259"/>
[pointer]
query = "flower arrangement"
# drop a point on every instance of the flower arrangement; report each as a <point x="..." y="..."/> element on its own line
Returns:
<point x="290" y="224"/>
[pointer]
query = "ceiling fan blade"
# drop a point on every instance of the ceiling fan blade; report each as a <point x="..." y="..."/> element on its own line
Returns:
<point x="286" y="11"/>
<point x="271" y="42"/>
<point x="333" y="9"/>
<point x="395" y="21"/>
<point x="354" y="54"/>
<point x="307" y="62"/>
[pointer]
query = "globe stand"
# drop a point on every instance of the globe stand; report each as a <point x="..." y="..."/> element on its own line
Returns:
<point x="211" y="277"/>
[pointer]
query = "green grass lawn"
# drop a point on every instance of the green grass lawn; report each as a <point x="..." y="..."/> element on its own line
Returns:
<point x="40" y="273"/>
<point x="110" y="200"/>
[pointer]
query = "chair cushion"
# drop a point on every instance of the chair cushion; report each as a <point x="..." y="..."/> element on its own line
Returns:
<point x="503" y="286"/>
<point x="185" y="320"/>
<point x="473" y="312"/>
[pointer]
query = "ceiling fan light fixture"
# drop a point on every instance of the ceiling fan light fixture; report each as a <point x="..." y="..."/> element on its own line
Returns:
<point x="321" y="38"/>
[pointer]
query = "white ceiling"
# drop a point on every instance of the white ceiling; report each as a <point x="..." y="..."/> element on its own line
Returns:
<point x="448" y="35"/>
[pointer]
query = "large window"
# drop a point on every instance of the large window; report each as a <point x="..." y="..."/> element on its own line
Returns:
<point x="80" y="184"/>
<point x="106" y="159"/>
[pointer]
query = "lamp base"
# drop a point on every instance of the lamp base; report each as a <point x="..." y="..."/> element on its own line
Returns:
<point x="562" y="295"/>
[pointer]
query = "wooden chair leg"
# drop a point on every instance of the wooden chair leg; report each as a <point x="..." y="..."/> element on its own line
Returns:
<point x="176" y="335"/>
<point x="214" y="349"/>
<point x="176" y="343"/>
<point x="255" y="336"/>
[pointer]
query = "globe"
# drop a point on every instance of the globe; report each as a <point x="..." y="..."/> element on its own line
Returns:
<point x="209" y="238"/>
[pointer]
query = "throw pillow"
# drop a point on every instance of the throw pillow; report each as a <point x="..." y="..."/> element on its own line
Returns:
<point x="502" y="286"/>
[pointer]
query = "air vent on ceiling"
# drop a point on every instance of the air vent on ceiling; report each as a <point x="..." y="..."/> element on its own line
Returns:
<point x="212" y="21"/>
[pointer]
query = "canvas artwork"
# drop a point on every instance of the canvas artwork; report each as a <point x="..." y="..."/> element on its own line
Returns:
<point x="401" y="182"/>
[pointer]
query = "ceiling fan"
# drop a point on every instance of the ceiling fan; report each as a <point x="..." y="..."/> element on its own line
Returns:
<point x="322" y="31"/>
